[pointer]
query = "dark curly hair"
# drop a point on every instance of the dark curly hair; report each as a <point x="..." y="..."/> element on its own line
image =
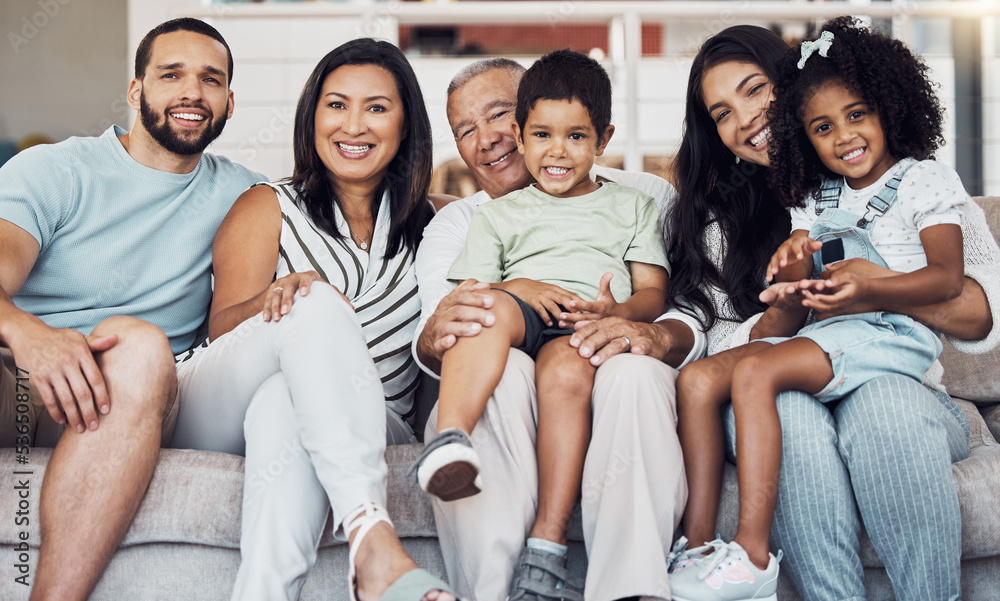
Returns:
<point x="711" y="187"/>
<point x="879" y="69"/>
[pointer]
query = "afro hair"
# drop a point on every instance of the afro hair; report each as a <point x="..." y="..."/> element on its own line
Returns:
<point x="875" y="67"/>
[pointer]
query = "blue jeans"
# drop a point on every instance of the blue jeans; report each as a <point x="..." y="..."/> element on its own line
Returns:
<point x="882" y="457"/>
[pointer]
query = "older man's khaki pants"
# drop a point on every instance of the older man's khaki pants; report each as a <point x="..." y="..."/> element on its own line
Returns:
<point x="633" y="493"/>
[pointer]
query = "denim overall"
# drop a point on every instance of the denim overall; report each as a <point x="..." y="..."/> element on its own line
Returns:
<point x="866" y="345"/>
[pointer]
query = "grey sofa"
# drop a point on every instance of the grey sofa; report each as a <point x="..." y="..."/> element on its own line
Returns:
<point x="184" y="542"/>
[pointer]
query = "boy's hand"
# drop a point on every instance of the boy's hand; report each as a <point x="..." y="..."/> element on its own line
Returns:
<point x="545" y="299"/>
<point x="791" y="251"/>
<point x="603" y="306"/>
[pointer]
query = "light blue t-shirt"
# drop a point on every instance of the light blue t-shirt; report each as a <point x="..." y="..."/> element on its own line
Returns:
<point x="116" y="237"/>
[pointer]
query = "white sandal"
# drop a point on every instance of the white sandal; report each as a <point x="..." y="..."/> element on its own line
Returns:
<point x="411" y="586"/>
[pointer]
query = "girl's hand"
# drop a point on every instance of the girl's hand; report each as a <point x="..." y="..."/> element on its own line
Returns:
<point x="843" y="293"/>
<point x="278" y="299"/>
<point x="603" y="306"/>
<point x="545" y="299"/>
<point x="791" y="251"/>
<point x="861" y="267"/>
<point x="786" y="314"/>
<point x="785" y="296"/>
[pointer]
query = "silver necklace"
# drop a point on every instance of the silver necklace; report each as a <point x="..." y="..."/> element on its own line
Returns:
<point x="361" y="241"/>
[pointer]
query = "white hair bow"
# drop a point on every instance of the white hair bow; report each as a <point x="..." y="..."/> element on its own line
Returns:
<point x="822" y="45"/>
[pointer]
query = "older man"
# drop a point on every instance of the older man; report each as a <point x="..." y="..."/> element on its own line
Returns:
<point x="105" y="274"/>
<point x="633" y="483"/>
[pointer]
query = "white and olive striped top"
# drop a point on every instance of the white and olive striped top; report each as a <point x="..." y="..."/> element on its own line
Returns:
<point x="383" y="292"/>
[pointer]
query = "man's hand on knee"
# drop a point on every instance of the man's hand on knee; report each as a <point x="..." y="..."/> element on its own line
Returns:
<point x="61" y="366"/>
<point x="464" y="312"/>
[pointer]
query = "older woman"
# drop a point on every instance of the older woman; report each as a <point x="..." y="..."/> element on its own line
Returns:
<point x="884" y="453"/>
<point x="312" y="319"/>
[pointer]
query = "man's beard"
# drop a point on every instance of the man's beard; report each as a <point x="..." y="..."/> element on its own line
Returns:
<point x="169" y="139"/>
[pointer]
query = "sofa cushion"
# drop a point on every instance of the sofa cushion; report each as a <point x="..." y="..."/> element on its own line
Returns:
<point x="979" y="432"/>
<point x="196" y="497"/>
<point x="972" y="377"/>
<point x="977" y="480"/>
<point x="992" y="417"/>
<point x="975" y="377"/>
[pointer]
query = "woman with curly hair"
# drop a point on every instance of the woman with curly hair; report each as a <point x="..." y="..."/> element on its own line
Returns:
<point x="885" y="450"/>
<point x="831" y="124"/>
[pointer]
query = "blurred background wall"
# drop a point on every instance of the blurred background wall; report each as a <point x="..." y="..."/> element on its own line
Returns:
<point x="65" y="65"/>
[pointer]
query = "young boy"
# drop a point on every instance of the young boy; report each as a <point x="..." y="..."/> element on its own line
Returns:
<point x="547" y="248"/>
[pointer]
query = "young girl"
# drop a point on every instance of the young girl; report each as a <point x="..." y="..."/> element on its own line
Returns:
<point x="852" y="129"/>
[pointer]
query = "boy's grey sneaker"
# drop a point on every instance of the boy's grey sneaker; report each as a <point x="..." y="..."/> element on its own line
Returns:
<point x="726" y="575"/>
<point x="543" y="576"/>
<point x="448" y="466"/>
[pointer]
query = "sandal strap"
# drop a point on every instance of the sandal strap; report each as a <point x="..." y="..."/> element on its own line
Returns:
<point x="446" y="437"/>
<point x="414" y="586"/>
<point x="364" y="518"/>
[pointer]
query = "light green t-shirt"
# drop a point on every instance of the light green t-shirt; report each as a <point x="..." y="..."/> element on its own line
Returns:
<point x="567" y="242"/>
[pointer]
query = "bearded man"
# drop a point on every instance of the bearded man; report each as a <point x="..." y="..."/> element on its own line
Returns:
<point x="105" y="278"/>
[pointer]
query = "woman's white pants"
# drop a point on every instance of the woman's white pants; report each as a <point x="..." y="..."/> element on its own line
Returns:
<point x="304" y="401"/>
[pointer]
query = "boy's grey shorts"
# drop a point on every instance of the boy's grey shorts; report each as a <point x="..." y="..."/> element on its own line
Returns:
<point x="536" y="332"/>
